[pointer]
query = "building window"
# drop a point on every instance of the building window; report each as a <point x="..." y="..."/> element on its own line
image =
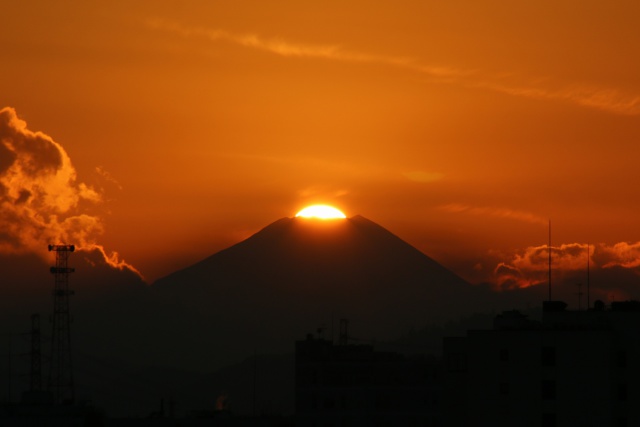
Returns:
<point x="504" y="355"/>
<point x="457" y="362"/>
<point x="548" y="356"/>
<point x="548" y="390"/>
<point x="548" y="420"/>
<point x="504" y="388"/>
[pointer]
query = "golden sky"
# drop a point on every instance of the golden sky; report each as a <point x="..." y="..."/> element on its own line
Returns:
<point x="460" y="126"/>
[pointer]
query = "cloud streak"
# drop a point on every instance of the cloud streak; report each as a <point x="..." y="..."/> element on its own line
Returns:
<point x="40" y="197"/>
<point x="605" y="99"/>
<point x="281" y="47"/>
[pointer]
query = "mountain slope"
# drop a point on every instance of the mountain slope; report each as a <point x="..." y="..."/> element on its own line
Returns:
<point x="298" y="274"/>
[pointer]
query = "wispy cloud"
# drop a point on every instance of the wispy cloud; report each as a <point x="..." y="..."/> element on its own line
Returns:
<point x="285" y="48"/>
<point x="499" y="212"/>
<point x="602" y="98"/>
<point x="108" y="177"/>
<point x="606" y="99"/>
<point x="40" y="197"/>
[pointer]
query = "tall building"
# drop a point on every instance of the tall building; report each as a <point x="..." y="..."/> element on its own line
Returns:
<point x="574" y="368"/>
<point x="354" y="385"/>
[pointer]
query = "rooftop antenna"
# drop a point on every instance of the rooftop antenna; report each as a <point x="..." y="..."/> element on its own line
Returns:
<point x="580" y="293"/>
<point x="549" y="250"/>
<point x="332" y="315"/>
<point x="588" y="257"/>
<point x="60" y="373"/>
<point x="343" y="337"/>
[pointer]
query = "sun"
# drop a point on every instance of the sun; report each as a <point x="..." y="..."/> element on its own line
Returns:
<point x="321" y="212"/>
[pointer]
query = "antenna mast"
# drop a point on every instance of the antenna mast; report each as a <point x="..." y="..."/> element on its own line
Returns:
<point x="549" y="250"/>
<point x="60" y="373"/>
<point x="588" y="257"/>
<point x="343" y="338"/>
<point x="580" y="293"/>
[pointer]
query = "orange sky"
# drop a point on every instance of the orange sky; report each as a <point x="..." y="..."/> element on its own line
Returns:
<point x="460" y="126"/>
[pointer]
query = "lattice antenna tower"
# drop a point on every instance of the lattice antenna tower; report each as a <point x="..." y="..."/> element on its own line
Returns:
<point x="60" y="373"/>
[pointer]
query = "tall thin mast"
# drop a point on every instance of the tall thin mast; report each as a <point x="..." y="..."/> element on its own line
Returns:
<point x="588" y="257"/>
<point x="549" y="250"/>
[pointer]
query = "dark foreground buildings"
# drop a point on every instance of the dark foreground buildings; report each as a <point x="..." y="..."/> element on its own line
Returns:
<point x="353" y="385"/>
<point x="572" y="368"/>
<point x="575" y="368"/>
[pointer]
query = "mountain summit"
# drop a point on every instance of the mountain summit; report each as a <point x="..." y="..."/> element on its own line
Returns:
<point x="298" y="274"/>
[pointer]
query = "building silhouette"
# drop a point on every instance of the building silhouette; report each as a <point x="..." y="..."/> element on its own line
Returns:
<point x="574" y="368"/>
<point x="354" y="385"/>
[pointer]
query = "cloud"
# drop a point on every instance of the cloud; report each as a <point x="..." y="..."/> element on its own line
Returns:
<point x="40" y="197"/>
<point x="113" y="259"/>
<point x="285" y="48"/>
<point x="572" y="256"/>
<point x="621" y="254"/>
<point x="108" y="177"/>
<point x="275" y="46"/>
<point x="530" y="267"/>
<point x="494" y="212"/>
<point x="606" y="99"/>
<point x="509" y="277"/>
<point x="590" y="96"/>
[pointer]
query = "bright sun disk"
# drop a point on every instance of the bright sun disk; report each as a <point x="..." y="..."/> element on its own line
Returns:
<point x="320" y="211"/>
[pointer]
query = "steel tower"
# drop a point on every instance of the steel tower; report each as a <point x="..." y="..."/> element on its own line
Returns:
<point x="60" y="373"/>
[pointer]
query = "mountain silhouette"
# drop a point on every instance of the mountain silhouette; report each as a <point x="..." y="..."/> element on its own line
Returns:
<point x="251" y="300"/>
<point x="300" y="274"/>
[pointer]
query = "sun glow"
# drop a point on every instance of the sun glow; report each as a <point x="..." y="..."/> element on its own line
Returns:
<point x="321" y="212"/>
